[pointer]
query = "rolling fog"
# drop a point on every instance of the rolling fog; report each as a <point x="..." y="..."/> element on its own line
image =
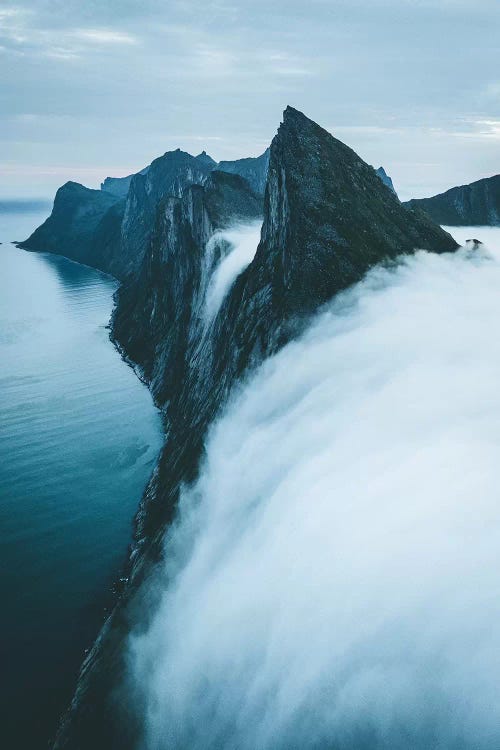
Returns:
<point x="332" y="578"/>
<point x="242" y="240"/>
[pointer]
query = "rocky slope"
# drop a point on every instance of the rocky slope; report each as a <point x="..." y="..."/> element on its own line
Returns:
<point x="207" y="160"/>
<point x="327" y="219"/>
<point x="110" y="229"/>
<point x="385" y="178"/>
<point x="474" y="204"/>
<point x="167" y="175"/>
<point x="119" y="185"/>
<point x="84" y="226"/>
<point x="150" y="323"/>
<point x="253" y="169"/>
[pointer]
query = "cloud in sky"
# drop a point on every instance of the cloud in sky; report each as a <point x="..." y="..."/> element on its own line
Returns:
<point x="130" y="76"/>
<point x="104" y="36"/>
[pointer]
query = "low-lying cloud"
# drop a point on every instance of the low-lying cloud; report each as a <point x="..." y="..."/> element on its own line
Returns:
<point x="242" y="241"/>
<point x="333" y="577"/>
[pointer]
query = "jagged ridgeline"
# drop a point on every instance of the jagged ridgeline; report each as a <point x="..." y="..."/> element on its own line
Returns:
<point x="110" y="229"/>
<point x="327" y="217"/>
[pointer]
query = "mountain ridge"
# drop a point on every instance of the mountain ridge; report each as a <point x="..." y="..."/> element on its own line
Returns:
<point x="385" y="178"/>
<point x="118" y="246"/>
<point x="83" y="226"/>
<point x="477" y="203"/>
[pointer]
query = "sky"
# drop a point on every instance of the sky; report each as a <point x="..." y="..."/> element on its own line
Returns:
<point x="102" y="87"/>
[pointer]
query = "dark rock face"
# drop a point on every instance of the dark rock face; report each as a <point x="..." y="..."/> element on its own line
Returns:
<point x="253" y="169"/>
<point x="110" y="229"/>
<point x="168" y="175"/>
<point x="474" y="242"/>
<point x="84" y="226"/>
<point x="119" y="185"/>
<point x="327" y="219"/>
<point x="158" y="312"/>
<point x="207" y="160"/>
<point x="477" y="203"/>
<point x="101" y="228"/>
<point x="344" y="220"/>
<point x="385" y="178"/>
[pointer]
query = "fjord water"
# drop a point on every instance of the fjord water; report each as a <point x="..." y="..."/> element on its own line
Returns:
<point x="79" y="436"/>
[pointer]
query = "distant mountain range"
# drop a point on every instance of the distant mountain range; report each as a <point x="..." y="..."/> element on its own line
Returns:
<point x="111" y="228"/>
<point x="467" y="205"/>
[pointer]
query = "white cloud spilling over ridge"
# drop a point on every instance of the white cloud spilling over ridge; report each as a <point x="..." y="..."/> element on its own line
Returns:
<point x="243" y="240"/>
<point x="333" y="579"/>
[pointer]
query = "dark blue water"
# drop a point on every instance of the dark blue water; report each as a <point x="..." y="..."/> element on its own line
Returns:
<point x="79" y="436"/>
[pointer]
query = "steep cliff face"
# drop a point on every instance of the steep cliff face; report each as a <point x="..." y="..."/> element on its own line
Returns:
<point x="474" y="204"/>
<point x="253" y="169"/>
<point x="111" y="229"/>
<point x="159" y="311"/>
<point x="84" y="226"/>
<point x="344" y="218"/>
<point x="167" y="176"/>
<point x="327" y="219"/>
<point x="106" y="230"/>
<point x="119" y="185"/>
<point x="385" y="178"/>
<point x="207" y="160"/>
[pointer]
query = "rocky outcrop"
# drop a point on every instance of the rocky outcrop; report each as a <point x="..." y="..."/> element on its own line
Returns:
<point x="207" y="160"/>
<point x="84" y="226"/>
<point x="119" y="185"/>
<point x="110" y="229"/>
<point x="474" y="204"/>
<point x="167" y="176"/>
<point x="385" y="178"/>
<point x="107" y="231"/>
<point x="159" y="311"/>
<point x="327" y="219"/>
<point x="253" y="169"/>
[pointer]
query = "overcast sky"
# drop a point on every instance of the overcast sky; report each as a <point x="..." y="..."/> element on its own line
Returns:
<point x="101" y="87"/>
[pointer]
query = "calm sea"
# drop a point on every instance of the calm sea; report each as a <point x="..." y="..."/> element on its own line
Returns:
<point x="79" y="436"/>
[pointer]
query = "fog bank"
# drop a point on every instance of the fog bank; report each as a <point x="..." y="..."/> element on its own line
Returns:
<point x="242" y="241"/>
<point x="333" y="580"/>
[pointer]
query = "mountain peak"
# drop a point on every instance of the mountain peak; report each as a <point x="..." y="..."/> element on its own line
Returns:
<point x="328" y="218"/>
<point x="302" y="132"/>
<point x="476" y="203"/>
<point x="292" y="113"/>
<point x="206" y="159"/>
<point x="294" y="118"/>
<point x="385" y="178"/>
